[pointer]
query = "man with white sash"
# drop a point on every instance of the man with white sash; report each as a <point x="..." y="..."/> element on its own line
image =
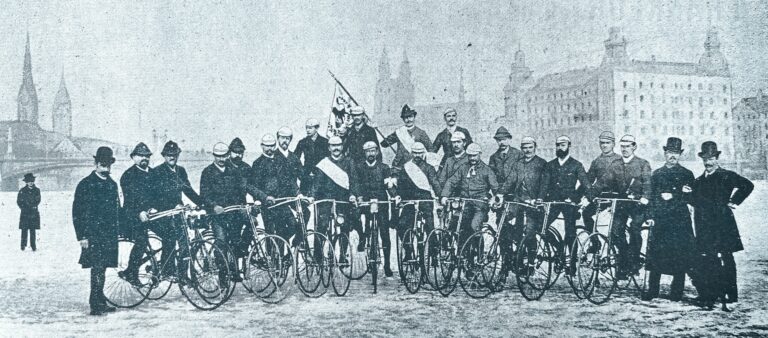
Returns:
<point x="333" y="182"/>
<point x="459" y="158"/>
<point x="405" y="137"/>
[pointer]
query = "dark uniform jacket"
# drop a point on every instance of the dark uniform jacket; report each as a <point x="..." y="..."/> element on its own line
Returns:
<point x="137" y="195"/>
<point x="368" y="181"/>
<point x="168" y="185"/>
<point x="598" y="171"/>
<point x="498" y="162"/>
<point x="313" y="151"/>
<point x="452" y="164"/>
<point x="225" y="188"/>
<point x="408" y="190"/>
<point x="670" y="247"/>
<point x="443" y="140"/>
<point x="403" y="155"/>
<point x="355" y="139"/>
<point x="524" y="180"/>
<point x="28" y="199"/>
<point x="269" y="175"/>
<point x="472" y="181"/>
<point x="242" y="167"/>
<point x="292" y="173"/>
<point x="716" y="229"/>
<point x="559" y="181"/>
<point x="326" y="188"/>
<point x="636" y="172"/>
<point x="95" y="214"/>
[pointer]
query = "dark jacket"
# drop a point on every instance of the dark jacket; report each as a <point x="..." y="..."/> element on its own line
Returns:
<point x="225" y="188"/>
<point x="620" y="175"/>
<point x="409" y="191"/>
<point x="326" y="188"/>
<point x="499" y="160"/>
<point x="269" y="176"/>
<point x="168" y="185"/>
<point x="368" y="181"/>
<point x="716" y="229"/>
<point x="524" y="180"/>
<point x="472" y="181"/>
<point x="670" y="247"/>
<point x="95" y="215"/>
<point x="355" y="139"/>
<point x="452" y="164"/>
<point x="402" y="155"/>
<point x="292" y="173"/>
<point x="443" y="140"/>
<point x="598" y="171"/>
<point x="559" y="181"/>
<point x="137" y="195"/>
<point x="28" y="199"/>
<point x="313" y="151"/>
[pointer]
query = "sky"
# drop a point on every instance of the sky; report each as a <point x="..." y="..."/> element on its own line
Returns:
<point x="211" y="71"/>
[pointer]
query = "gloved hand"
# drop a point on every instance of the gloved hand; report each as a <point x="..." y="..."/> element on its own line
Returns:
<point x="643" y="201"/>
<point x="218" y="210"/>
<point x="352" y="199"/>
<point x="686" y="189"/>
<point x="84" y="243"/>
<point x="144" y="216"/>
<point x="666" y="196"/>
<point x="398" y="199"/>
<point x="444" y="200"/>
<point x="270" y="200"/>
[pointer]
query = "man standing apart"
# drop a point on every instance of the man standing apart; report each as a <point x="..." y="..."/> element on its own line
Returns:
<point x="405" y="137"/>
<point x="29" y="219"/>
<point x="443" y="139"/>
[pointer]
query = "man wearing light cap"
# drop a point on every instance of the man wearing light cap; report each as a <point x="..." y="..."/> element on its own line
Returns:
<point x="137" y="188"/>
<point x="475" y="180"/>
<point x="453" y="163"/>
<point x="221" y="186"/>
<point x="333" y="181"/>
<point x="598" y="174"/>
<point x="405" y="137"/>
<point x="269" y="176"/>
<point x="293" y="163"/>
<point x="630" y="177"/>
<point x="559" y="182"/>
<point x="313" y="148"/>
<point x="443" y="139"/>
<point x="417" y="181"/>
<point x="357" y="136"/>
<point x="369" y="181"/>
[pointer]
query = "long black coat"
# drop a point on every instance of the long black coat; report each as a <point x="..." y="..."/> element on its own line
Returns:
<point x="671" y="246"/>
<point x="28" y="200"/>
<point x="95" y="215"/>
<point x="137" y="196"/>
<point x="167" y="186"/>
<point x="716" y="229"/>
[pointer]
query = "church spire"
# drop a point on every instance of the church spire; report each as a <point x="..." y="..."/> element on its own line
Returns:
<point x="27" y="100"/>
<point x="62" y="110"/>
<point x="462" y="91"/>
<point x="384" y="72"/>
<point x="405" y="68"/>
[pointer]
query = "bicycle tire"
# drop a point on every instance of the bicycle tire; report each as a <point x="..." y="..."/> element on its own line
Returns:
<point x="603" y="281"/>
<point x="442" y="269"/>
<point x="117" y="290"/>
<point x="270" y="269"/>
<point x="474" y="279"/>
<point x="534" y="268"/>
<point x="410" y="265"/>
<point x="310" y="265"/>
<point x="207" y="278"/>
<point x="161" y="286"/>
<point x="340" y="249"/>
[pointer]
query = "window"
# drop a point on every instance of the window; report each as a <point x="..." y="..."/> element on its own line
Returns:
<point x="712" y="130"/>
<point x="727" y="131"/>
<point x="662" y="85"/>
<point x="653" y="114"/>
<point x="711" y="101"/>
<point x="643" y="131"/>
<point x="626" y="113"/>
<point x="653" y="99"/>
<point x="625" y="98"/>
<point x="641" y="98"/>
<point x="642" y="114"/>
<point x="702" y="129"/>
<point x="689" y="86"/>
<point x="701" y="101"/>
<point x="725" y="115"/>
<point x="712" y="115"/>
<point x="725" y="89"/>
<point x="640" y="85"/>
<point x="710" y="87"/>
<point x="625" y="84"/>
<point x="725" y="101"/>
<point x="690" y="100"/>
<point x="664" y="115"/>
<point x="675" y="85"/>
<point x="690" y="115"/>
<point x="651" y="85"/>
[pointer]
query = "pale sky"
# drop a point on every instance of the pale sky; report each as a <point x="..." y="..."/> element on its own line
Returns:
<point x="209" y="72"/>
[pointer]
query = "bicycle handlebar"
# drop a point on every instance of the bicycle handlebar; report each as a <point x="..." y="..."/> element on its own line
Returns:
<point x="288" y="200"/>
<point x="175" y="211"/>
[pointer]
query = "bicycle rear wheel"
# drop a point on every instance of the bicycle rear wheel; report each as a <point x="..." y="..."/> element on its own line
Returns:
<point x="534" y="264"/>
<point x="118" y="291"/>
<point x="441" y="260"/>
<point x="342" y="263"/>
<point x="409" y="260"/>
<point x="579" y="250"/>
<point x="313" y="264"/>
<point x="604" y="265"/>
<point x="206" y="283"/>
<point x="270" y="269"/>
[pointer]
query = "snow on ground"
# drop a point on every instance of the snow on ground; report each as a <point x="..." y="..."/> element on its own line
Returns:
<point x="45" y="294"/>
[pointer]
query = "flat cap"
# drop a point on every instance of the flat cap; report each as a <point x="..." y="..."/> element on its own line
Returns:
<point x="357" y="110"/>
<point x="627" y="139"/>
<point x="268" y="140"/>
<point x="458" y="136"/>
<point x="527" y="140"/>
<point x="313" y="122"/>
<point x="607" y="136"/>
<point x="334" y="141"/>
<point x="370" y="145"/>
<point x="418" y="148"/>
<point x="449" y="110"/>
<point x="563" y="139"/>
<point x="141" y="149"/>
<point x="474" y="149"/>
<point x="285" y="131"/>
<point x="220" y="149"/>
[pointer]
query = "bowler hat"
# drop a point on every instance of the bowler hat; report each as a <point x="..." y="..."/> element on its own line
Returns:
<point x="104" y="156"/>
<point x="709" y="149"/>
<point x="501" y="134"/>
<point x="406" y="112"/>
<point x="28" y="177"/>
<point x="171" y="148"/>
<point x="674" y="144"/>
<point x="237" y="145"/>
<point x="141" y="149"/>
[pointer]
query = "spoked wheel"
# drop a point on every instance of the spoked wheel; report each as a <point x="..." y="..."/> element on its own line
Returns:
<point x="374" y="258"/>
<point x="343" y="263"/>
<point x="206" y="282"/>
<point x="534" y="263"/>
<point x="579" y="252"/>
<point x="270" y="269"/>
<point x="637" y="280"/>
<point x="160" y="285"/>
<point x="358" y="260"/>
<point x="409" y="261"/>
<point x="603" y="263"/>
<point x="481" y="264"/>
<point x="558" y="249"/>
<point x="313" y="263"/>
<point x="441" y="260"/>
<point x="118" y="290"/>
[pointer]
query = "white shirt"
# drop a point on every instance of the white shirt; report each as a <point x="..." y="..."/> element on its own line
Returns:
<point x="285" y="152"/>
<point x="451" y="130"/>
<point x="217" y="167"/>
<point x="563" y="160"/>
<point x="627" y="159"/>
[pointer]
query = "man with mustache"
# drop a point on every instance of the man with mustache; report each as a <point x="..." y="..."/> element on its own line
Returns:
<point x="443" y="139"/>
<point x="630" y="177"/>
<point x="357" y="136"/>
<point x="236" y="153"/>
<point x="598" y="173"/>
<point x="291" y="175"/>
<point x="405" y="137"/>
<point x="136" y="185"/>
<point x="670" y="243"/>
<point x="716" y="193"/>
<point x="506" y="153"/>
<point x="417" y="181"/>
<point x="369" y="182"/>
<point x="559" y="182"/>
<point x="453" y="163"/>
<point x="314" y="148"/>
<point x="270" y="175"/>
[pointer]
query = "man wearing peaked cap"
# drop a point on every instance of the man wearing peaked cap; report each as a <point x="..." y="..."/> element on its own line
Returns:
<point x="443" y="139"/>
<point x="170" y="149"/>
<point x="405" y="137"/>
<point x="268" y="140"/>
<point x="312" y="148"/>
<point x="141" y="149"/>
<point x="459" y="157"/>
<point x="359" y="134"/>
<point x="598" y="175"/>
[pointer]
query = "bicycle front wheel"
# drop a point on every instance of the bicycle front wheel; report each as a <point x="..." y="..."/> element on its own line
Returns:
<point x="118" y="290"/>
<point x="604" y="263"/>
<point x="206" y="281"/>
<point x="313" y="262"/>
<point x="343" y="262"/>
<point x="441" y="260"/>
<point x="481" y="264"/>
<point x="534" y="265"/>
<point x="409" y="260"/>
<point x="269" y="271"/>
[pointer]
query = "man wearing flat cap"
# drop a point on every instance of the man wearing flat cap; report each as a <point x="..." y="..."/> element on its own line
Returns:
<point x="137" y="189"/>
<point x="716" y="193"/>
<point x="169" y="182"/>
<point x="670" y="242"/>
<point x="313" y="148"/>
<point x="29" y="218"/>
<point x="443" y="139"/>
<point x="95" y="216"/>
<point x="417" y="181"/>
<point x="630" y="177"/>
<point x="453" y="163"/>
<point x="360" y="134"/>
<point x="598" y="174"/>
<point x="269" y="176"/>
<point x="405" y="137"/>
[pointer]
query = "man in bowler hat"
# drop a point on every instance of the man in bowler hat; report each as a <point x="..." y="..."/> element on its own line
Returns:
<point x="29" y="221"/>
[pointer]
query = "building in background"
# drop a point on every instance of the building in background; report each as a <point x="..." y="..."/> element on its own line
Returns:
<point x="751" y="129"/>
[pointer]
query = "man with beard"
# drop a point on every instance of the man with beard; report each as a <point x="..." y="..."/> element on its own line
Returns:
<point x="333" y="182"/>
<point x="269" y="176"/>
<point x="222" y="186"/>
<point x="670" y="243"/>
<point x="357" y="136"/>
<point x="454" y="162"/>
<point x="235" y="160"/>
<point x="417" y="181"/>
<point x="314" y="148"/>
<point x="597" y="175"/>
<point x="405" y="137"/>
<point x="136" y="185"/>
<point x="523" y="184"/>
<point x="505" y="154"/>
<point x="716" y="193"/>
<point x="95" y="213"/>
<point x="558" y="183"/>
<point x="474" y="180"/>
<point x="369" y="181"/>
<point x="169" y="182"/>
<point x="630" y="176"/>
<point x="292" y="174"/>
<point x="443" y="139"/>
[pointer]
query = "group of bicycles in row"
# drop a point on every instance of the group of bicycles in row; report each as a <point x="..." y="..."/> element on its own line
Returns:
<point x="440" y="259"/>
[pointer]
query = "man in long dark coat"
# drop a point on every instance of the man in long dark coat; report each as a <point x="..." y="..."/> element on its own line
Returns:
<point x="670" y="245"/>
<point x="137" y="187"/>
<point x="333" y="181"/>
<point x="95" y="214"/>
<point x="716" y="193"/>
<point x="314" y="148"/>
<point x="29" y="220"/>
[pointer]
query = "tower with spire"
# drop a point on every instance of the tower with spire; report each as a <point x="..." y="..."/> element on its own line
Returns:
<point x="26" y="110"/>
<point x="392" y="93"/>
<point x="62" y="110"/>
<point x="615" y="49"/>
<point x="713" y="61"/>
<point x="383" y="86"/>
<point x="462" y="91"/>
<point x="404" y="86"/>
<point x="519" y="79"/>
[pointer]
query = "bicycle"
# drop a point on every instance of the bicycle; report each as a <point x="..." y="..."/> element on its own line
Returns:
<point x="373" y="251"/>
<point x="342" y="268"/>
<point x="118" y="291"/>
<point x="442" y="269"/>
<point x="410" y="253"/>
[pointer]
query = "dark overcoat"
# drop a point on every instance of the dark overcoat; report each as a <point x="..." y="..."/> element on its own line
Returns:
<point x="95" y="215"/>
<point x="716" y="229"/>
<point x="137" y="196"/>
<point x="28" y="199"/>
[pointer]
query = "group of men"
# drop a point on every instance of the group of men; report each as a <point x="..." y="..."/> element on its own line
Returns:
<point x="348" y="168"/>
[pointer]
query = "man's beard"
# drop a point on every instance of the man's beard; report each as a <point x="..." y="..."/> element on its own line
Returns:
<point x="236" y="160"/>
<point x="473" y="162"/>
<point x="269" y="152"/>
<point x="560" y="153"/>
<point x="371" y="159"/>
<point x="336" y="153"/>
<point x="417" y="159"/>
<point x="143" y="164"/>
<point x="284" y="146"/>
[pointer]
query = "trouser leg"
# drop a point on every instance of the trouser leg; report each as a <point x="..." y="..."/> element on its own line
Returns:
<point x="96" y="298"/>
<point x="140" y="243"/>
<point x="635" y="237"/>
<point x="678" y="284"/>
<point x="33" y="239"/>
<point x="654" y="279"/>
<point x="386" y="244"/>
<point x="619" y="233"/>
<point x="729" y="273"/>
<point x="324" y="216"/>
<point x="586" y="216"/>
<point x="24" y="233"/>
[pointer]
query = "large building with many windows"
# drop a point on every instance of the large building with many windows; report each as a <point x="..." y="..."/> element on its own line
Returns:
<point x="751" y="127"/>
<point x="651" y="100"/>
